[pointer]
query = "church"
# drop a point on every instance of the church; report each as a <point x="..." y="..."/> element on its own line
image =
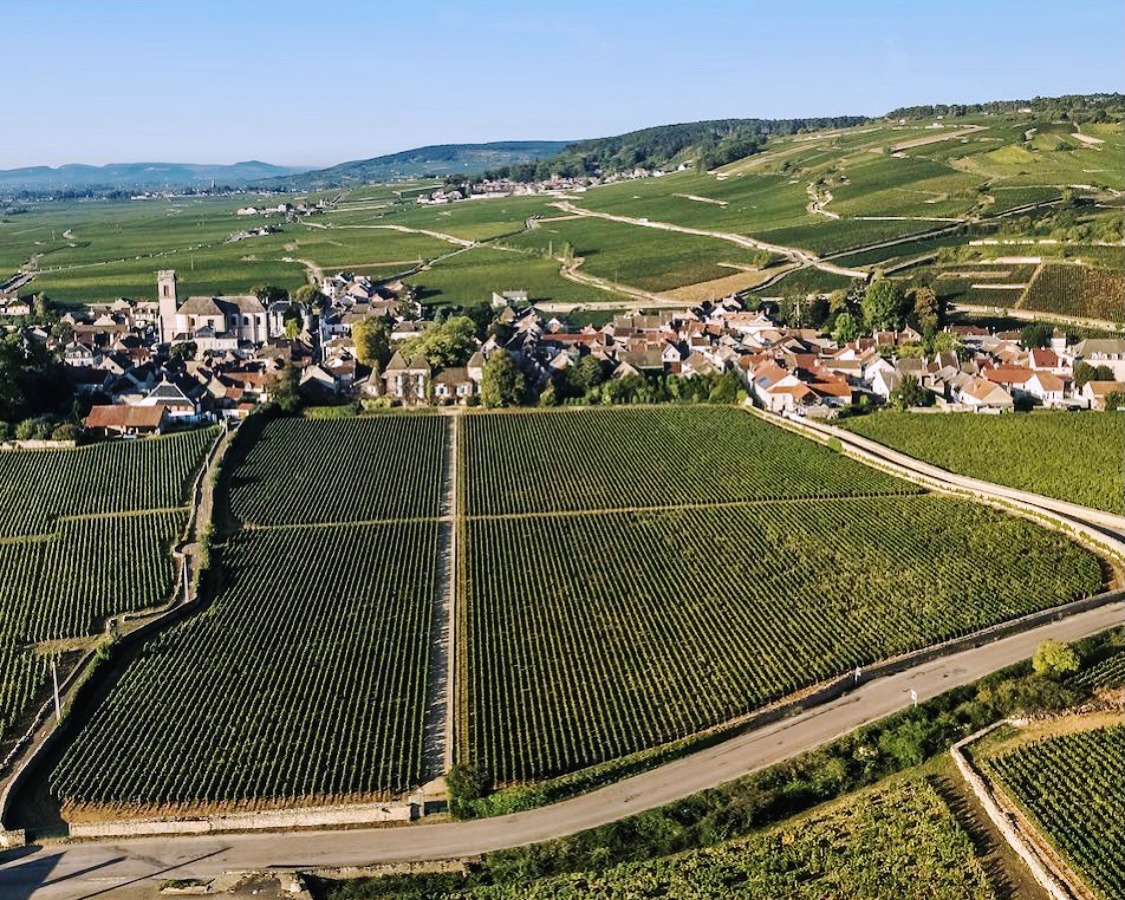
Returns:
<point x="212" y="323"/>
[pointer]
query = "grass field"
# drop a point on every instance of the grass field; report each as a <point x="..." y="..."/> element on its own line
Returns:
<point x="469" y="278"/>
<point x="1066" y="783"/>
<point x="1070" y="456"/>
<point x="900" y="841"/>
<point x="648" y="258"/>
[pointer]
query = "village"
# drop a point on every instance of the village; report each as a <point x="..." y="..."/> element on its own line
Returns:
<point x="147" y="367"/>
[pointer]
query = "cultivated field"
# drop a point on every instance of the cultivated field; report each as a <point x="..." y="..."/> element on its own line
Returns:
<point x="634" y="629"/>
<point x="591" y="459"/>
<point x="1077" y="290"/>
<point x="898" y="841"/>
<point x="298" y="471"/>
<point x="1071" y="456"/>
<point x="65" y="515"/>
<point x="305" y="680"/>
<point x="1070" y="786"/>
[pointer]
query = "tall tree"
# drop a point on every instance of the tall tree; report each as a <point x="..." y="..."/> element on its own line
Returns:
<point x="372" y="343"/>
<point x="882" y="305"/>
<point x="927" y="312"/>
<point x="502" y="383"/>
<point x="449" y="344"/>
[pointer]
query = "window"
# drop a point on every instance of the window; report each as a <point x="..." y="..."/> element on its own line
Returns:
<point x="245" y="320"/>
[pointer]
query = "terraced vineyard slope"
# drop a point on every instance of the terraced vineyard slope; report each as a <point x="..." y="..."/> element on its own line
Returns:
<point x="1073" y="457"/>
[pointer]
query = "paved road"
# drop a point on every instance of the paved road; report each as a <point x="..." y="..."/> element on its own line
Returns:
<point x="132" y="868"/>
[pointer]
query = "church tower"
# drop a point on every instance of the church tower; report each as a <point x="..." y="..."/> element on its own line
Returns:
<point x="166" y="290"/>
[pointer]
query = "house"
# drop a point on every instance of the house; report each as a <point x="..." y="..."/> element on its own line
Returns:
<point x="1109" y="352"/>
<point x="1095" y="392"/>
<point x="118" y="421"/>
<point x="408" y="381"/>
<point x="1046" y="387"/>
<point x="982" y="394"/>
<point x="453" y="384"/>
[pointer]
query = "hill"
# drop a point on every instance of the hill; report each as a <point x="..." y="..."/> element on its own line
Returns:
<point x="137" y="176"/>
<point x="438" y="160"/>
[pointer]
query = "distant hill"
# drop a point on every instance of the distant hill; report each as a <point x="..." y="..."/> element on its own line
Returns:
<point x="137" y="176"/>
<point x="440" y="160"/>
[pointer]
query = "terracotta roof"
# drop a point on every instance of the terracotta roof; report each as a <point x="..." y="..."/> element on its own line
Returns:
<point x="125" y="416"/>
<point x="1008" y="374"/>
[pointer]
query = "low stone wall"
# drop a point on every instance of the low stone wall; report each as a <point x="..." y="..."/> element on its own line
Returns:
<point x="38" y="445"/>
<point x="266" y="820"/>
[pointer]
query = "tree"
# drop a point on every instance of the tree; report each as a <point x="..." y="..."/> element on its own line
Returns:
<point x="908" y="394"/>
<point x="1084" y="372"/>
<point x="185" y="350"/>
<point x="292" y="329"/>
<point x="1054" y="658"/>
<point x="283" y="388"/>
<point x="1114" y="401"/>
<point x="846" y="328"/>
<point x="838" y="301"/>
<point x="372" y="343"/>
<point x="465" y="783"/>
<point x="1035" y="335"/>
<point x="449" y="344"/>
<point x="927" y="310"/>
<point x="502" y="383"/>
<point x="270" y="293"/>
<point x="310" y="296"/>
<point x="882" y="305"/>
<point x="42" y="307"/>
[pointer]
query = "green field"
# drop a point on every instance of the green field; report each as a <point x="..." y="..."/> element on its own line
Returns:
<point x="648" y="258"/>
<point x="635" y="629"/>
<point x="1075" y="290"/>
<point x="469" y="278"/>
<point x="298" y="471"/>
<point x="301" y="680"/>
<point x="900" y="841"/>
<point x="86" y="535"/>
<point x="592" y="459"/>
<point x="1070" y="456"/>
<point x="1070" y="785"/>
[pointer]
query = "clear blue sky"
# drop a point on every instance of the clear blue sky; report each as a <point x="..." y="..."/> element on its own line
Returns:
<point x="320" y="81"/>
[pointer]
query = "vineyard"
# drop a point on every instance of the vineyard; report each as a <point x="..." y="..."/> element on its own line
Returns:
<point x="633" y="629"/>
<point x="1073" y="457"/>
<point x="578" y="460"/>
<point x="86" y="535"/>
<point x="349" y="470"/>
<point x="1076" y="290"/>
<point x="900" y="841"/>
<point x="1071" y="786"/>
<point x="305" y="678"/>
<point x="39" y="486"/>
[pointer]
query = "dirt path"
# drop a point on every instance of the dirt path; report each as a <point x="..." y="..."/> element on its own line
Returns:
<point x="815" y="206"/>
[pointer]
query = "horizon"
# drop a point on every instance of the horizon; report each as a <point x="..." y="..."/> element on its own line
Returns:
<point x="155" y="90"/>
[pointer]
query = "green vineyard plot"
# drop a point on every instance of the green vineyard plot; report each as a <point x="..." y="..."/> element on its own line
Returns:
<point x="1071" y="787"/>
<point x="1070" y="457"/>
<point x="84" y="535"/>
<point x="592" y="637"/>
<point x="665" y="456"/>
<point x="350" y="470"/>
<point x="305" y="678"/>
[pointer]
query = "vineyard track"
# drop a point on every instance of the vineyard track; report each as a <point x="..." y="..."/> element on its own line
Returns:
<point x="69" y="871"/>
